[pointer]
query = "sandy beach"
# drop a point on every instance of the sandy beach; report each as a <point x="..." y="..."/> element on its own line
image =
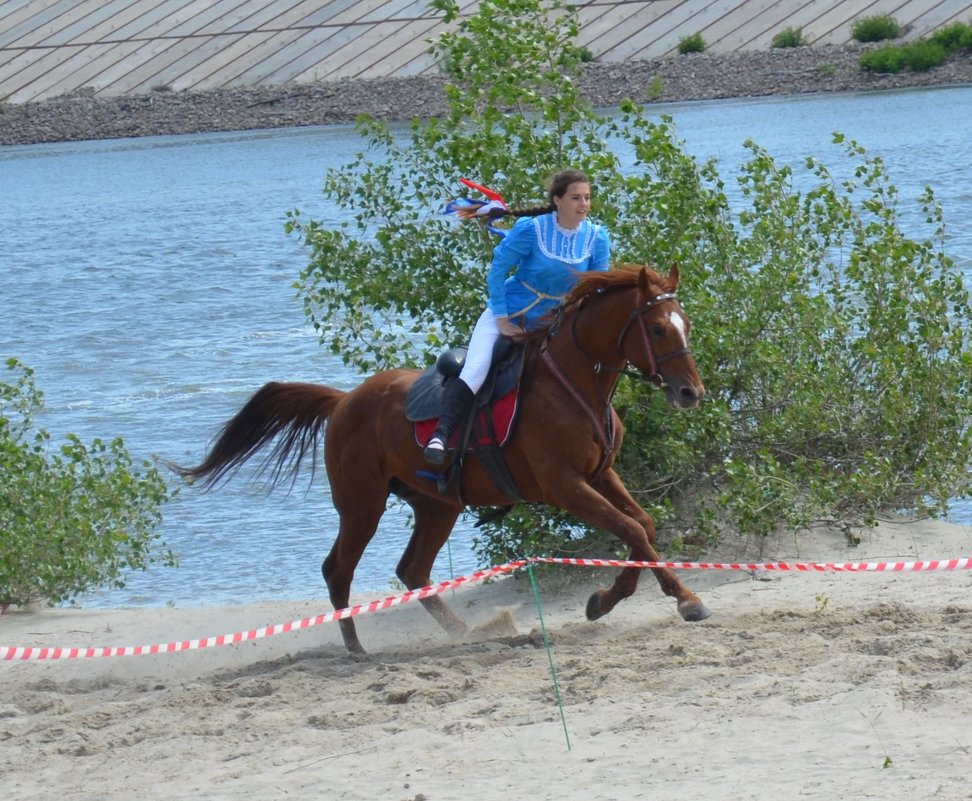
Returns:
<point x="828" y="685"/>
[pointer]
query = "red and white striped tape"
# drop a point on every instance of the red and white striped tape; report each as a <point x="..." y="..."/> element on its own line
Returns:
<point x="31" y="654"/>
<point x="11" y="653"/>
<point x="924" y="566"/>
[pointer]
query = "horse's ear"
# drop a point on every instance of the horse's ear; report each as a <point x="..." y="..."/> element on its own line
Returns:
<point x="643" y="280"/>
<point x="673" y="276"/>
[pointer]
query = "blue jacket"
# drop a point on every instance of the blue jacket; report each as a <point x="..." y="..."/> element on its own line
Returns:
<point x="537" y="263"/>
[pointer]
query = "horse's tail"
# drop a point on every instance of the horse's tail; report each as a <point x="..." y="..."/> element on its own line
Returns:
<point x="292" y="413"/>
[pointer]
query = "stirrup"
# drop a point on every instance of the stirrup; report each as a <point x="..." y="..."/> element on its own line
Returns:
<point x="435" y="451"/>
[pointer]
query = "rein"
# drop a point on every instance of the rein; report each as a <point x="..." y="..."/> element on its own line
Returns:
<point x="604" y="426"/>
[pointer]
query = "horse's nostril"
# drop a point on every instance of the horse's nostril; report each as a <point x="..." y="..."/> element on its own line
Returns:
<point x="688" y="394"/>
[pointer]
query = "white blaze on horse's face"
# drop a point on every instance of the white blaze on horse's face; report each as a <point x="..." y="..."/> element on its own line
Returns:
<point x="676" y="324"/>
<point x="677" y="321"/>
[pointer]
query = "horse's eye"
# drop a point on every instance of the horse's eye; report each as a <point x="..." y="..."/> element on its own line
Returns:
<point x="658" y="331"/>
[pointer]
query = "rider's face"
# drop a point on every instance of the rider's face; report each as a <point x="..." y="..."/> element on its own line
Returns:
<point x="573" y="207"/>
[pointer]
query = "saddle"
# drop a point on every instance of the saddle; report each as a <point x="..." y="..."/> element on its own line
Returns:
<point x="493" y="414"/>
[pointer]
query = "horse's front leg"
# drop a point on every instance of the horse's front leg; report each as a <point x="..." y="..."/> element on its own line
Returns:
<point x="635" y="527"/>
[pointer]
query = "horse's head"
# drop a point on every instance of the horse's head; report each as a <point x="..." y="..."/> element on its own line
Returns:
<point x="634" y="320"/>
<point x="655" y="339"/>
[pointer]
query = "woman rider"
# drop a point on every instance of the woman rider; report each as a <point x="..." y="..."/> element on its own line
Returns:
<point x="534" y="267"/>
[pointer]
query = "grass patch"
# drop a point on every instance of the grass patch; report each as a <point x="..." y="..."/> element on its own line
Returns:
<point x="790" y="37"/>
<point x="654" y="89"/>
<point x="691" y="44"/>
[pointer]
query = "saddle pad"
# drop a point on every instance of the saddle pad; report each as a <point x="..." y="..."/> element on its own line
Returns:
<point x="503" y="411"/>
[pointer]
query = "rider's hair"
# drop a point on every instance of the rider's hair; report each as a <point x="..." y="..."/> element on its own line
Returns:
<point x="559" y="182"/>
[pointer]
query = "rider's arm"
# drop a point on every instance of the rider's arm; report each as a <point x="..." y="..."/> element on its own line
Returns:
<point x="507" y="255"/>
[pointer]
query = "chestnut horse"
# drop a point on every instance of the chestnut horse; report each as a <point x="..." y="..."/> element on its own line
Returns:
<point x="561" y="451"/>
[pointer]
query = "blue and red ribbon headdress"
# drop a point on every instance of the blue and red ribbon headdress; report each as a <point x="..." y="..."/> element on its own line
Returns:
<point x="469" y="209"/>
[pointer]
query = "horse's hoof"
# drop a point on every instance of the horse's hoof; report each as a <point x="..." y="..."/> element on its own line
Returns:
<point x="594" y="610"/>
<point x="693" y="611"/>
<point x="354" y="646"/>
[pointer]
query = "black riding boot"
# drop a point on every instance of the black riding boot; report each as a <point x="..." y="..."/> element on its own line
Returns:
<point x="458" y="402"/>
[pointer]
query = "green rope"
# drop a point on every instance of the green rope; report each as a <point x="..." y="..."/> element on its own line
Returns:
<point x="452" y="570"/>
<point x="546" y="644"/>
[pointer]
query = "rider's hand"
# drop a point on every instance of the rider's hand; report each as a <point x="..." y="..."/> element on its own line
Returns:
<point x="506" y="328"/>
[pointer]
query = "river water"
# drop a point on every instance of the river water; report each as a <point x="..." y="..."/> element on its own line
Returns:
<point x="148" y="284"/>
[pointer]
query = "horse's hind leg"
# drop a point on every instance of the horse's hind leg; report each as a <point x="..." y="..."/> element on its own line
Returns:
<point x="358" y="526"/>
<point x="434" y="521"/>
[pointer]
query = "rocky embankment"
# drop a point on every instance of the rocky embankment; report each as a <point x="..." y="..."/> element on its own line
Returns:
<point x="83" y="115"/>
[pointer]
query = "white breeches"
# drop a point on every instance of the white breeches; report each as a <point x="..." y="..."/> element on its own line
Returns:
<point x="480" y="351"/>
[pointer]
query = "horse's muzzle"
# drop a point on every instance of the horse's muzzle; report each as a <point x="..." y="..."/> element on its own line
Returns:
<point x="685" y="396"/>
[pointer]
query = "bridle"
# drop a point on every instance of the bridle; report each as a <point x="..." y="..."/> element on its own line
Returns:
<point x="605" y="426"/>
<point x="654" y="360"/>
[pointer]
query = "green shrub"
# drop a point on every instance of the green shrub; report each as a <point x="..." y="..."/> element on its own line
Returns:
<point x="73" y="520"/>
<point x="875" y="29"/>
<point x="954" y="37"/>
<point x="920" y="55"/>
<point x="887" y="59"/>
<point x="916" y="56"/>
<point x="837" y="351"/>
<point x="790" y="37"/>
<point x="924" y="55"/>
<point x="691" y="44"/>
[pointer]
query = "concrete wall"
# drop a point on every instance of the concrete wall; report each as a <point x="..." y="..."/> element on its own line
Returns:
<point x="115" y="47"/>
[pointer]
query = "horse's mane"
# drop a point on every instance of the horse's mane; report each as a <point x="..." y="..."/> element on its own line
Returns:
<point x="622" y="276"/>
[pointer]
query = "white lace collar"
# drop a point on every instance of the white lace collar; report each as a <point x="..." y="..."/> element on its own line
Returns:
<point x="560" y="244"/>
